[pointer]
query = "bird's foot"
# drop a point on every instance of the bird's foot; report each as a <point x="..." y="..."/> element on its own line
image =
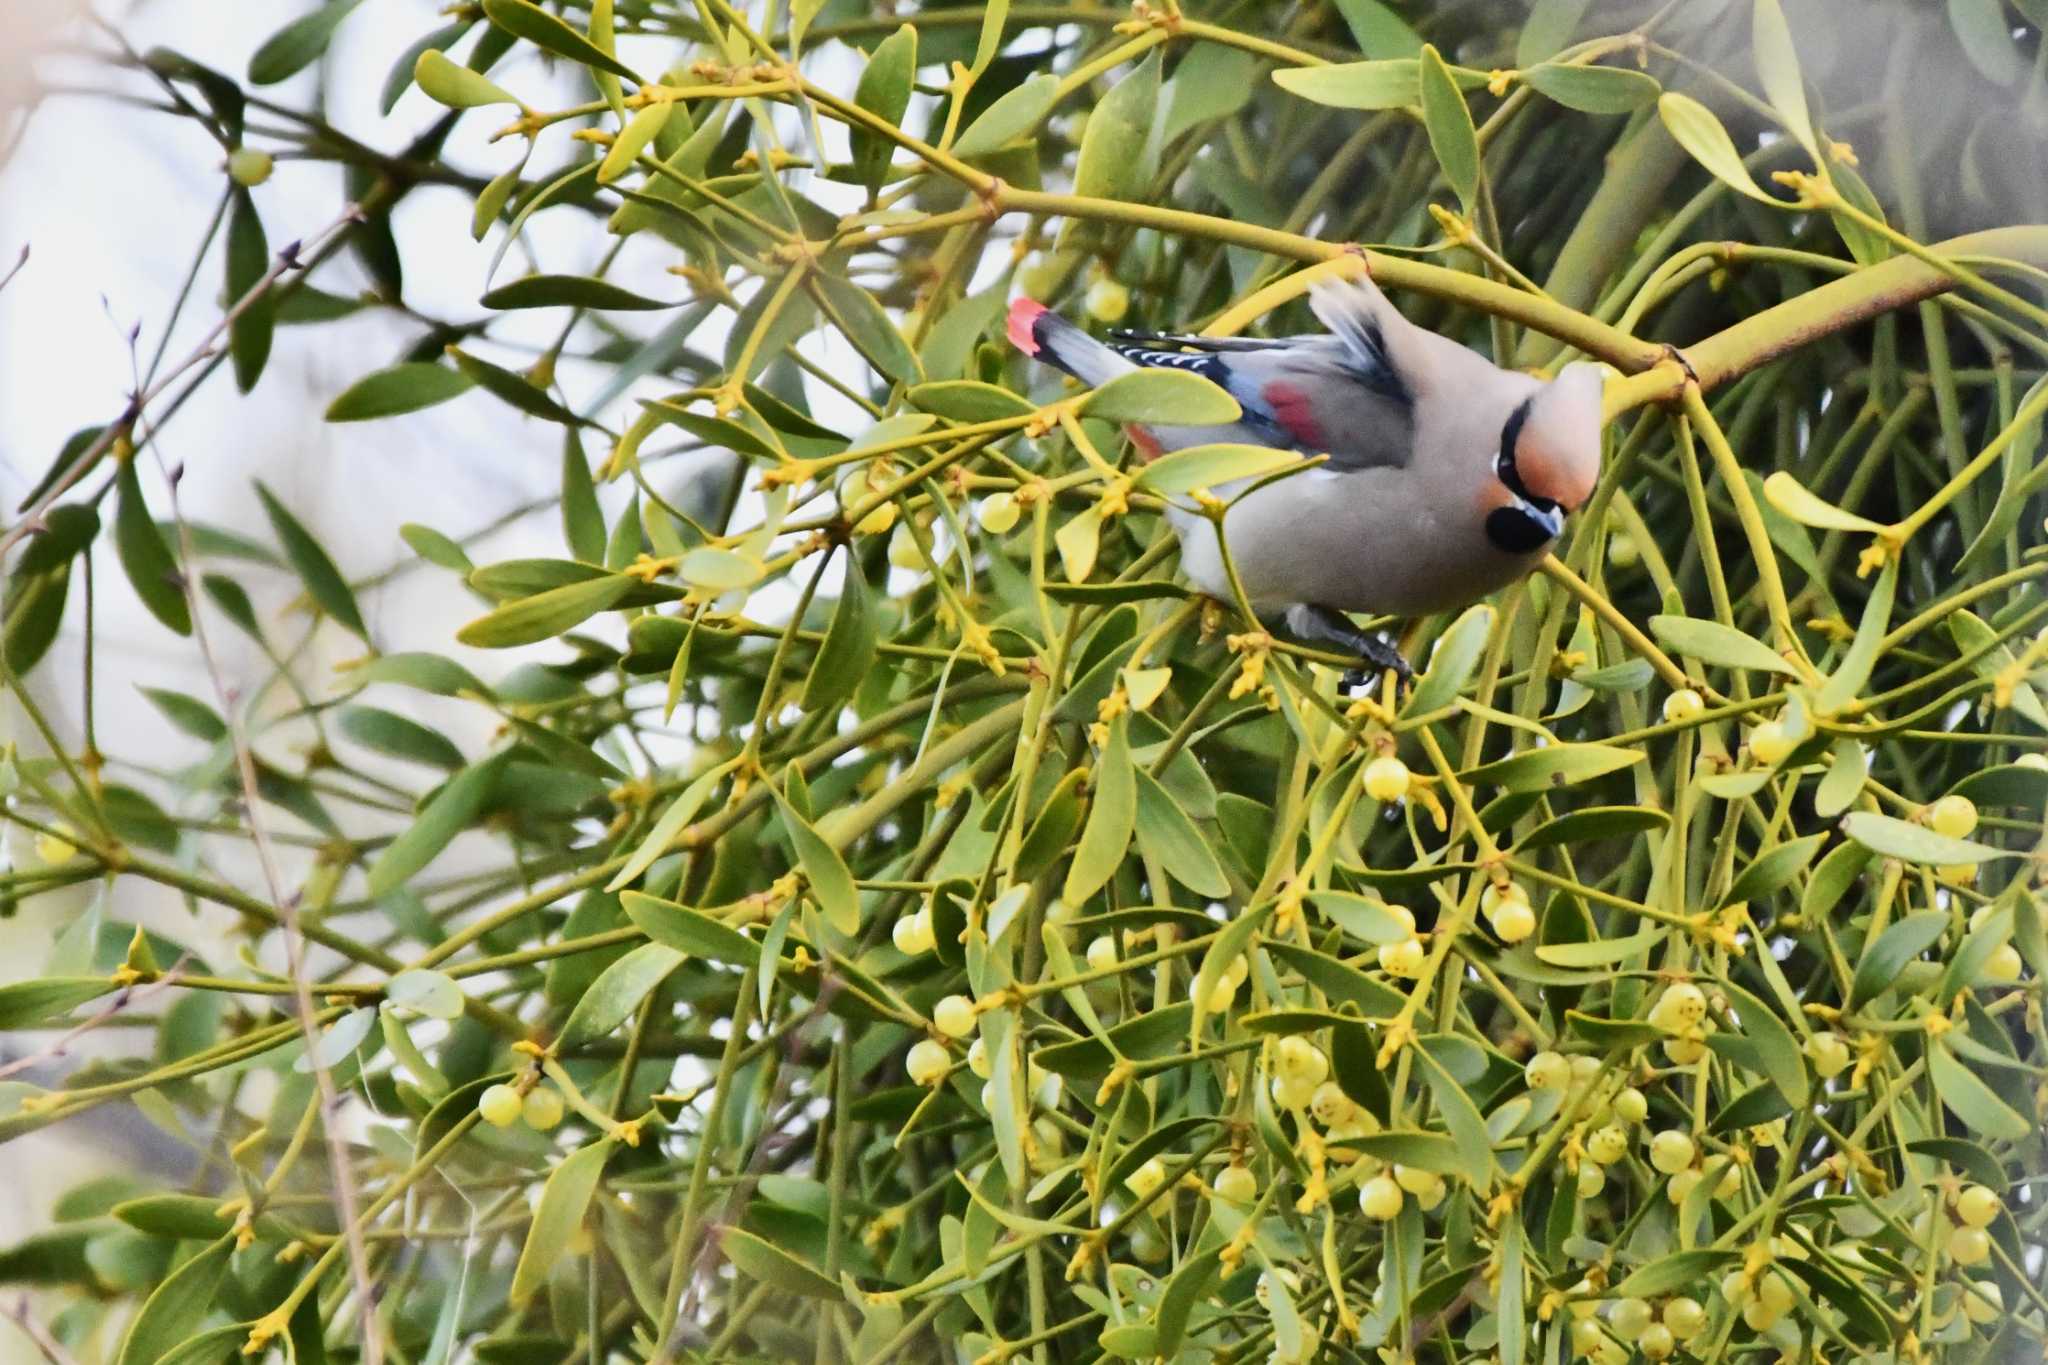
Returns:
<point x="1378" y="658"/>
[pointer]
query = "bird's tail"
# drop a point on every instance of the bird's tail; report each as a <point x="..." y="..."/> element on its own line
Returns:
<point x="1044" y="335"/>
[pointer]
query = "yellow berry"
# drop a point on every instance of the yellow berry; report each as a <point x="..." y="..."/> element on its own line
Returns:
<point x="1622" y="550"/>
<point x="1221" y="996"/>
<point x="1330" y="1104"/>
<point x="1386" y="778"/>
<point x="248" y="167"/>
<point x="1146" y="1178"/>
<point x="1402" y="959"/>
<point x="1685" y="1318"/>
<point x="1298" y="1057"/>
<point x="1679" y="1188"/>
<point x="1237" y="1184"/>
<point x="1769" y="742"/>
<point x="1829" y="1054"/>
<point x="1759" y="1316"/>
<point x="1684" y="1051"/>
<point x="1514" y="923"/>
<point x="2039" y="761"/>
<point x="903" y="551"/>
<point x="1730" y="1183"/>
<point x="1955" y="816"/>
<point x="1493" y="897"/>
<point x="544" y="1107"/>
<point x="1379" y="1197"/>
<point x="1735" y="1288"/>
<point x="1592" y="1179"/>
<point x="1656" y="1342"/>
<point x="1586" y="1336"/>
<point x="1774" y="1292"/>
<point x="1683" y="705"/>
<point x="1983" y="1301"/>
<point x="1292" y="1093"/>
<point x="1680" y="1007"/>
<point x="954" y="1016"/>
<point x="1978" y="1206"/>
<point x="1969" y="1245"/>
<point x="1108" y="301"/>
<point x="927" y="1062"/>
<point x="2003" y="965"/>
<point x="1671" y="1151"/>
<point x="1631" y="1106"/>
<point x="1101" y="953"/>
<point x="998" y="513"/>
<point x="1628" y="1318"/>
<point x="912" y="933"/>
<point x="1607" y="1145"/>
<point x="978" y="1060"/>
<point x="500" y="1106"/>
<point x="1547" y="1071"/>
<point x="56" y="847"/>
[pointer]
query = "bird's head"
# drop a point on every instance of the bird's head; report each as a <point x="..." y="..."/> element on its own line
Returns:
<point x="1549" y="458"/>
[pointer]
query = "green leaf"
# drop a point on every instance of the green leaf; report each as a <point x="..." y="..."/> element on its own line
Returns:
<point x="1713" y="643"/>
<point x="1668" y="1274"/>
<point x="673" y="821"/>
<point x="176" y="1307"/>
<point x="1774" y="869"/>
<point x="831" y="885"/>
<point x="194" y="717"/>
<point x="1112" y="818"/>
<point x="455" y="85"/>
<point x="400" y="737"/>
<point x="618" y="991"/>
<point x="1387" y="84"/>
<point x="426" y="992"/>
<point x="1594" y="822"/>
<point x="1777" y="67"/>
<point x="1015" y="113"/>
<point x="1556" y="765"/>
<point x="884" y="91"/>
<point x="968" y="400"/>
<point x="1378" y="30"/>
<point x="1188" y="1286"/>
<point x="1462" y="1118"/>
<point x="1908" y="842"/>
<point x="324" y="583"/>
<point x="872" y="331"/>
<point x="298" y="44"/>
<point x="515" y="389"/>
<point x="569" y="291"/>
<point x="631" y="140"/>
<point x="848" y="652"/>
<point x="1164" y="397"/>
<point x="399" y="389"/>
<point x="337" y="1042"/>
<point x="1974" y="1102"/>
<point x="582" y="519"/>
<point x="1366" y="918"/>
<point x="1891" y="950"/>
<point x="1693" y="126"/>
<point x="447" y="813"/>
<point x="248" y="260"/>
<point x="31" y="1004"/>
<point x="1845" y="684"/>
<point x="145" y="557"/>
<point x="720" y="570"/>
<point x="529" y="620"/>
<point x="1601" y="952"/>
<point x="544" y="30"/>
<point x="1167" y="835"/>
<point x="1985" y="32"/>
<point x="690" y="931"/>
<point x="1847" y="771"/>
<point x="1208" y="466"/>
<point x="563" y="1202"/>
<point x="1451" y="661"/>
<point x="1792" y="498"/>
<point x="1783" y="1062"/>
<point x="1593" y="89"/>
<point x="1153" y="1034"/>
<point x="1548" y="28"/>
<point x="1117" y="158"/>
<point x="762" y="1260"/>
<point x="1229" y="945"/>
<point x="1449" y="121"/>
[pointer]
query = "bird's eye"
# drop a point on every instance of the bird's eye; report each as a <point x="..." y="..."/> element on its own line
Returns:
<point x="1520" y="529"/>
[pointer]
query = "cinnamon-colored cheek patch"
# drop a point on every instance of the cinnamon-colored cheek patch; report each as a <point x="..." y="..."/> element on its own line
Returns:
<point x="1561" y="481"/>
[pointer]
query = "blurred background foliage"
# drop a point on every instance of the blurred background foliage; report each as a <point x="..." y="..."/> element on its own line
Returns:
<point x="875" y="914"/>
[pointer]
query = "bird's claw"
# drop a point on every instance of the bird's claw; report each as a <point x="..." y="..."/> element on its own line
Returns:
<point x="1376" y="659"/>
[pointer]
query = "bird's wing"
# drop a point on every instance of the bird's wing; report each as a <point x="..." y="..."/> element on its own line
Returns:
<point x="1308" y="395"/>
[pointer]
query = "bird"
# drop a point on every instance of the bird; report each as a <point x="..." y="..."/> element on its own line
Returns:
<point x="1447" y="477"/>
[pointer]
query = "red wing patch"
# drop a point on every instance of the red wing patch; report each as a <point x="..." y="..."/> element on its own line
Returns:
<point x="1147" y="444"/>
<point x="1294" y="410"/>
<point x="1024" y="315"/>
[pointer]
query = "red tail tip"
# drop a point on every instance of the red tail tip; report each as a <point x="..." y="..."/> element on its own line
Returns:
<point x="1024" y="314"/>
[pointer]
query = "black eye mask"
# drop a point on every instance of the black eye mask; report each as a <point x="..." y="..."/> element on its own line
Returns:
<point x="1531" y="522"/>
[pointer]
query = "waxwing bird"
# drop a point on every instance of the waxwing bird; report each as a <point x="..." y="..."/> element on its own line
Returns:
<point x="1447" y="477"/>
